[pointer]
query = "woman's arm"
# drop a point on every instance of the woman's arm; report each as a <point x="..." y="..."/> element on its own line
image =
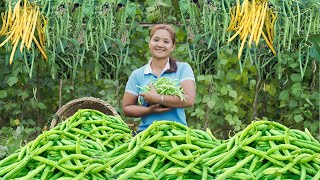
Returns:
<point x="131" y="109"/>
<point x="189" y="89"/>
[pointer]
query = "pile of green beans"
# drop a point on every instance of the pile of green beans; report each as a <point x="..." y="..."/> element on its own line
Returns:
<point x="72" y="150"/>
<point x="166" y="86"/>
<point x="165" y="150"/>
<point x="91" y="145"/>
<point x="267" y="150"/>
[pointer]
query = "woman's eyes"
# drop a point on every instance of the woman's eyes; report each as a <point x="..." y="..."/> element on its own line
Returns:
<point x="156" y="40"/>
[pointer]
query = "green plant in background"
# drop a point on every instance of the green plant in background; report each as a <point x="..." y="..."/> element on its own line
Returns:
<point x="19" y="134"/>
<point x="166" y="11"/>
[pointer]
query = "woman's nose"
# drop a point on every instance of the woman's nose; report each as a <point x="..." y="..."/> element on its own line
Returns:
<point x="159" y="44"/>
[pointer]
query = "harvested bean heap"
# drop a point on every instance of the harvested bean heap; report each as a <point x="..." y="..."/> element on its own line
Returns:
<point x="91" y="145"/>
<point x="72" y="149"/>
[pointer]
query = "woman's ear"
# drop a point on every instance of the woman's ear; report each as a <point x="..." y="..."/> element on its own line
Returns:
<point x="173" y="47"/>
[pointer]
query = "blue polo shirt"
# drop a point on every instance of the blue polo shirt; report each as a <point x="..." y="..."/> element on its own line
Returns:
<point x="179" y="71"/>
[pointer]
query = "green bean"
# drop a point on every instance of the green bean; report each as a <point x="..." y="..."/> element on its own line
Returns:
<point x="254" y="163"/>
<point x="309" y="27"/>
<point x="216" y="149"/>
<point x="33" y="173"/>
<point x="231" y="142"/>
<point x="274" y="138"/>
<point x="15" y="169"/>
<point x="262" y="168"/>
<point x="66" y="171"/>
<point x="308" y="158"/>
<point x="161" y="153"/>
<point x="282" y="146"/>
<point x="183" y="147"/>
<point x="193" y="163"/>
<point x="155" y="163"/>
<point x="45" y="172"/>
<point x="135" y="169"/>
<point x="9" y="159"/>
<point x="163" y="168"/>
<point x="282" y="158"/>
<point x="239" y="165"/>
<point x="303" y="172"/>
<point x="173" y="170"/>
<point x="308" y="145"/>
<point x="44" y="160"/>
<point x="57" y="175"/>
<point x="211" y="135"/>
<point x="292" y="163"/>
<point x="299" y="19"/>
<point x="310" y="136"/>
<point x="73" y="156"/>
<point x="265" y="155"/>
<point x="212" y="160"/>
<point x="87" y="170"/>
<point x="8" y="168"/>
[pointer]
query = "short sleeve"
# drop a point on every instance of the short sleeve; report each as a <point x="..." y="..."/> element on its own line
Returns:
<point x="132" y="84"/>
<point x="186" y="73"/>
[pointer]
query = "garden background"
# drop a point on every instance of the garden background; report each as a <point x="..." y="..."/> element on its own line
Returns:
<point x="94" y="45"/>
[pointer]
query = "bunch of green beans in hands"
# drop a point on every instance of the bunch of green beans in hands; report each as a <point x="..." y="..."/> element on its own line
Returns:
<point x="166" y="86"/>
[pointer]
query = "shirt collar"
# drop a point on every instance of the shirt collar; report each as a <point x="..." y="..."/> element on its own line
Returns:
<point x="148" y="70"/>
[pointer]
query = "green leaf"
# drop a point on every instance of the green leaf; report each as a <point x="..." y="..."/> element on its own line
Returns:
<point x="229" y="119"/>
<point x="296" y="77"/>
<point x="298" y="118"/>
<point x="223" y="61"/>
<point x="308" y="100"/>
<point x="271" y="90"/>
<point x="3" y="151"/>
<point x="296" y="92"/>
<point x="283" y="104"/>
<point x="233" y="108"/>
<point x="200" y="77"/>
<point x="75" y="43"/>
<point x="23" y="95"/>
<point x="233" y="93"/>
<point x="224" y="90"/>
<point x="14" y="122"/>
<point x="229" y="87"/>
<point x="306" y="124"/>
<point x="211" y="104"/>
<point x="41" y="105"/>
<point x="294" y="65"/>
<point x="3" y="94"/>
<point x="12" y="80"/>
<point x="293" y="104"/>
<point x="206" y="98"/>
<point x="237" y="128"/>
<point x="284" y="95"/>
<point x="315" y="128"/>
<point x="314" y="53"/>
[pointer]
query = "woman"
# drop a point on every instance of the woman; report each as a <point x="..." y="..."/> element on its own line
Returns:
<point x="155" y="106"/>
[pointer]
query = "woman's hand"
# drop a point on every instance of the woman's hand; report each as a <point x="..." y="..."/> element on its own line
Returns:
<point x="151" y="97"/>
<point x="158" y="109"/>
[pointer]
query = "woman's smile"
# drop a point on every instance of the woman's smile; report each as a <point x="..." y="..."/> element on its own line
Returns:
<point x="161" y="44"/>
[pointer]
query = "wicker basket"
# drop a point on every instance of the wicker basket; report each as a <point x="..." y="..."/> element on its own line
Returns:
<point x="73" y="106"/>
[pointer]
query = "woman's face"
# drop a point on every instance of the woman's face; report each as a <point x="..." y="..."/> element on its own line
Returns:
<point x="161" y="44"/>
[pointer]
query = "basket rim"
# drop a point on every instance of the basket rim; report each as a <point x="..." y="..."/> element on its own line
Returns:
<point x="58" y="116"/>
<point x="89" y="98"/>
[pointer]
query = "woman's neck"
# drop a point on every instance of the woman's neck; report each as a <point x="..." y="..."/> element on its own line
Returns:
<point x="157" y="65"/>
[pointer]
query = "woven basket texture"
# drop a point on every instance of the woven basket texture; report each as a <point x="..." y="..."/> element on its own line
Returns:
<point x="73" y="106"/>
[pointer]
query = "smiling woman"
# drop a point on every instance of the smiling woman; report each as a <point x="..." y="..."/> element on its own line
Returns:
<point x="155" y="106"/>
